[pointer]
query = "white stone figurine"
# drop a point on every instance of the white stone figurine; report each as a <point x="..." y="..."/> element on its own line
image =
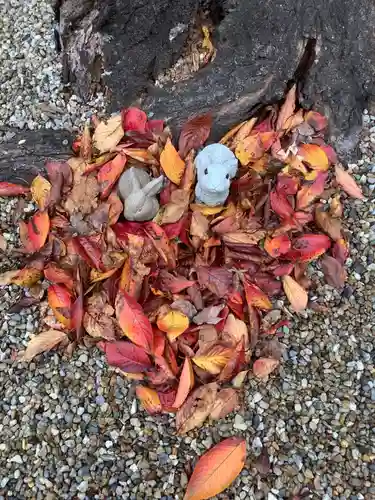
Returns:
<point x="216" y="166"/>
<point x="138" y="191"/>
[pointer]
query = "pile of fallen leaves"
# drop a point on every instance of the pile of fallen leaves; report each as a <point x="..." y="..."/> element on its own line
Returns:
<point x="183" y="303"/>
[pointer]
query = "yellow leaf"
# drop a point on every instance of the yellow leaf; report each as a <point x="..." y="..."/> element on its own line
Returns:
<point x="108" y="134"/>
<point x="297" y="295"/>
<point x="249" y="150"/>
<point x="40" y="190"/>
<point x="42" y="343"/>
<point x="213" y="358"/>
<point x="229" y="135"/>
<point x="205" y="210"/>
<point x="217" y="469"/>
<point x="96" y="275"/>
<point x="315" y="156"/>
<point x="149" y="399"/>
<point x="173" y="324"/>
<point x="171" y="163"/>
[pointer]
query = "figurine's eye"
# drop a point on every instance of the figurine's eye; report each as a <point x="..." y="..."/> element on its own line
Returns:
<point x="227" y="176"/>
<point x="205" y="171"/>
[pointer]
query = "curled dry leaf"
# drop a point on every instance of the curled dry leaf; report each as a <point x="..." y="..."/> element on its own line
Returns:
<point x="226" y="402"/>
<point x="185" y="385"/>
<point x="346" y="181"/>
<point x="171" y="163"/>
<point x="217" y="469"/>
<point x="297" y="295"/>
<point x="196" y="408"/>
<point x="40" y="191"/>
<point x="194" y="133"/>
<point x="43" y="342"/>
<point x="149" y="399"/>
<point x="262" y="367"/>
<point x="108" y="134"/>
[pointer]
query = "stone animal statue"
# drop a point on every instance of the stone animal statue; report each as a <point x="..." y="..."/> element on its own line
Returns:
<point x="216" y="166"/>
<point x="138" y="191"/>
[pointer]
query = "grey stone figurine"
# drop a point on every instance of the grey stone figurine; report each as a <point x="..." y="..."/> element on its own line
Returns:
<point x="138" y="191"/>
<point x="216" y="166"/>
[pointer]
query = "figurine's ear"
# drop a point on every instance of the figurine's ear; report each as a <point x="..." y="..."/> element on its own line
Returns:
<point x="153" y="187"/>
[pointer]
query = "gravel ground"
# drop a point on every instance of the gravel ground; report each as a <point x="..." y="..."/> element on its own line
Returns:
<point x="72" y="428"/>
<point x="31" y="93"/>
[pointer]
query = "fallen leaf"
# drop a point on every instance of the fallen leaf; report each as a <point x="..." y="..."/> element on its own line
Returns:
<point x="308" y="247"/>
<point x="108" y="134"/>
<point x="133" y="322"/>
<point x="174" y="284"/>
<point x="340" y="250"/>
<point x="243" y="238"/>
<point x="287" y="109"/>
<point x="149" y="399"/>
<point x="172" y="164"/>
<point x="234" y="332"/>
<point x="346" y="181"/>
<point x="217" y="279"/>
<point x="262" y="367"/>
<point x="213" y="358"/>
<point x="194" y="133"/>
<point x="40" y="191"/>
<point x="317" y="121"/>
<point x="262" y="463"/>
<point x="174" y="323"/>
<point x="134" y="119"/>
<point x="126" y="356"/>
<point x="60" y="301"/>
<point x="10" y="189"/>
<point x="98" y="321"/>
<point x="217" y="469"/>
<point x="297" y="295"/>
<point x="334" y="272"/>
<point x="199" y="225"/>
<point x="226" y="402"/>
<point x="38" y="229"/>
<point x="315" y="156"/>
<point x="196" y="408"/>
<point x="239" y="379"/>
<point x="23" y="303"/>
<point x="109" y="174"/>
<point x="185" y="385"/>
<point x="277" y="246"/>
<point x="280" y="205"/>
<point x="309" y="192"/>
<point x="26" y="277"/>
<point x="249" y="150"/>
<point x="184" y="306"/>
<point x="255" y="297"/>
<point x="209" y="315"/>
<point x="43" y="342"/>
<point x="3" y="243"/>
<point x="328" y="224"/>
<point x="174" y="210"/>
<point x="83" y="196"/>
<point x="55" y="274"/>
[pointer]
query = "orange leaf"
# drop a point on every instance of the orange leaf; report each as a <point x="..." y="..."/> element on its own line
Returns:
<point x="217" y="469"/>
<point x="133" y="321"/>
<point x="256" y="298"/>
<point x="96" y="276"/>
<point x="226" y="402"/>
<point x="149" y="399"/>
<point x="27" y="277"/>
<point x="55" y="274"/>
<point x="348" y="184"/>
<point x="185" y="385"/>
<point x="213" y="358"/>
<point x="109" y="174"/>
<point x="249" y="150"/>
<point x="316" y="120"/>
<point x="287" y="109"/>
<point x="309" y="192"/>
<point x="40" y="190"/>
<point x="43" y="343"/>
<point x="173" y="323"/>
<point x="315" y="156"/>
<point x="329" y="225"/>
<point x="171" y="163"/>
<point x="262" y="367"/>
<point x="297" y="295"/>
<point x="38" y="229"/>
<point x="277" y="246"/>
<point x="309" y="247"/>
<point x="194" y="134"/>
<point x="60" y="301"/>
<point x="9" y="189"/>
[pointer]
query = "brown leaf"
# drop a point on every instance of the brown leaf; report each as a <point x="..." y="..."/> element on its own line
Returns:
<point x="297" y="295"/>
<point x="334" y="272"/>
<point x="185" y="385"/>
<point x="108" y="134"/>
<point x="199" y="225"/>
<point x="262" y="367"/>
<point x="226" y="402"/>
<point x="217" y="469"/>
<point x="217" y="279"/>
<point x="175" y="208"/>
<point x="329" y="225"/>
<point x="209" y="315"/>
<point x="194" y="133"/>
<point x="262" y="463"/>
<point x="287" y="109"/>
<point x="244" y="238"/>
<point x="348" y="184"/>
<point x="196" y="408"/>
<point x="83" y="197"/>
<point x="43" y="342"/>
<point x="234" y="332"/>
<point x="3" y="243"/>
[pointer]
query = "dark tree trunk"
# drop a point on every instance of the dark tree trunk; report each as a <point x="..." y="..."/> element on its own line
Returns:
<point x="124" y="45"/>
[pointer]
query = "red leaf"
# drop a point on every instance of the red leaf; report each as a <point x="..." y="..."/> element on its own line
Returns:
<point x="309" y="192"/>
<point x="60" y="300"/>
<point x="255" y="297"/>
<point x="280" y="205"/>
<point x="340" y="251"/>
<point x="277" y="246"/>
<point x="9" y="189"/>
<point x="309" y="247"/>
<point x="126" y="356"/>
<point x="317" y="121"/>
<point x="194" y="133"/>
<point x="262" y="367"/>
<point x="155" y="126"/>
<point x="217" y="279"/>
<point x="283" y="269"/>
<point x="334" y="272"/>
<point x="109" y="174"/>
<point x="287" y="184"/>
<point x="38" y="229"/>
<point x="133" y="321"/>
<point x="90" y="251"/>
<point x="159" y="342"/>
<point x="174" y="284"/>
<point x="133" y="119"/>
<point x="55" y="274"/>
